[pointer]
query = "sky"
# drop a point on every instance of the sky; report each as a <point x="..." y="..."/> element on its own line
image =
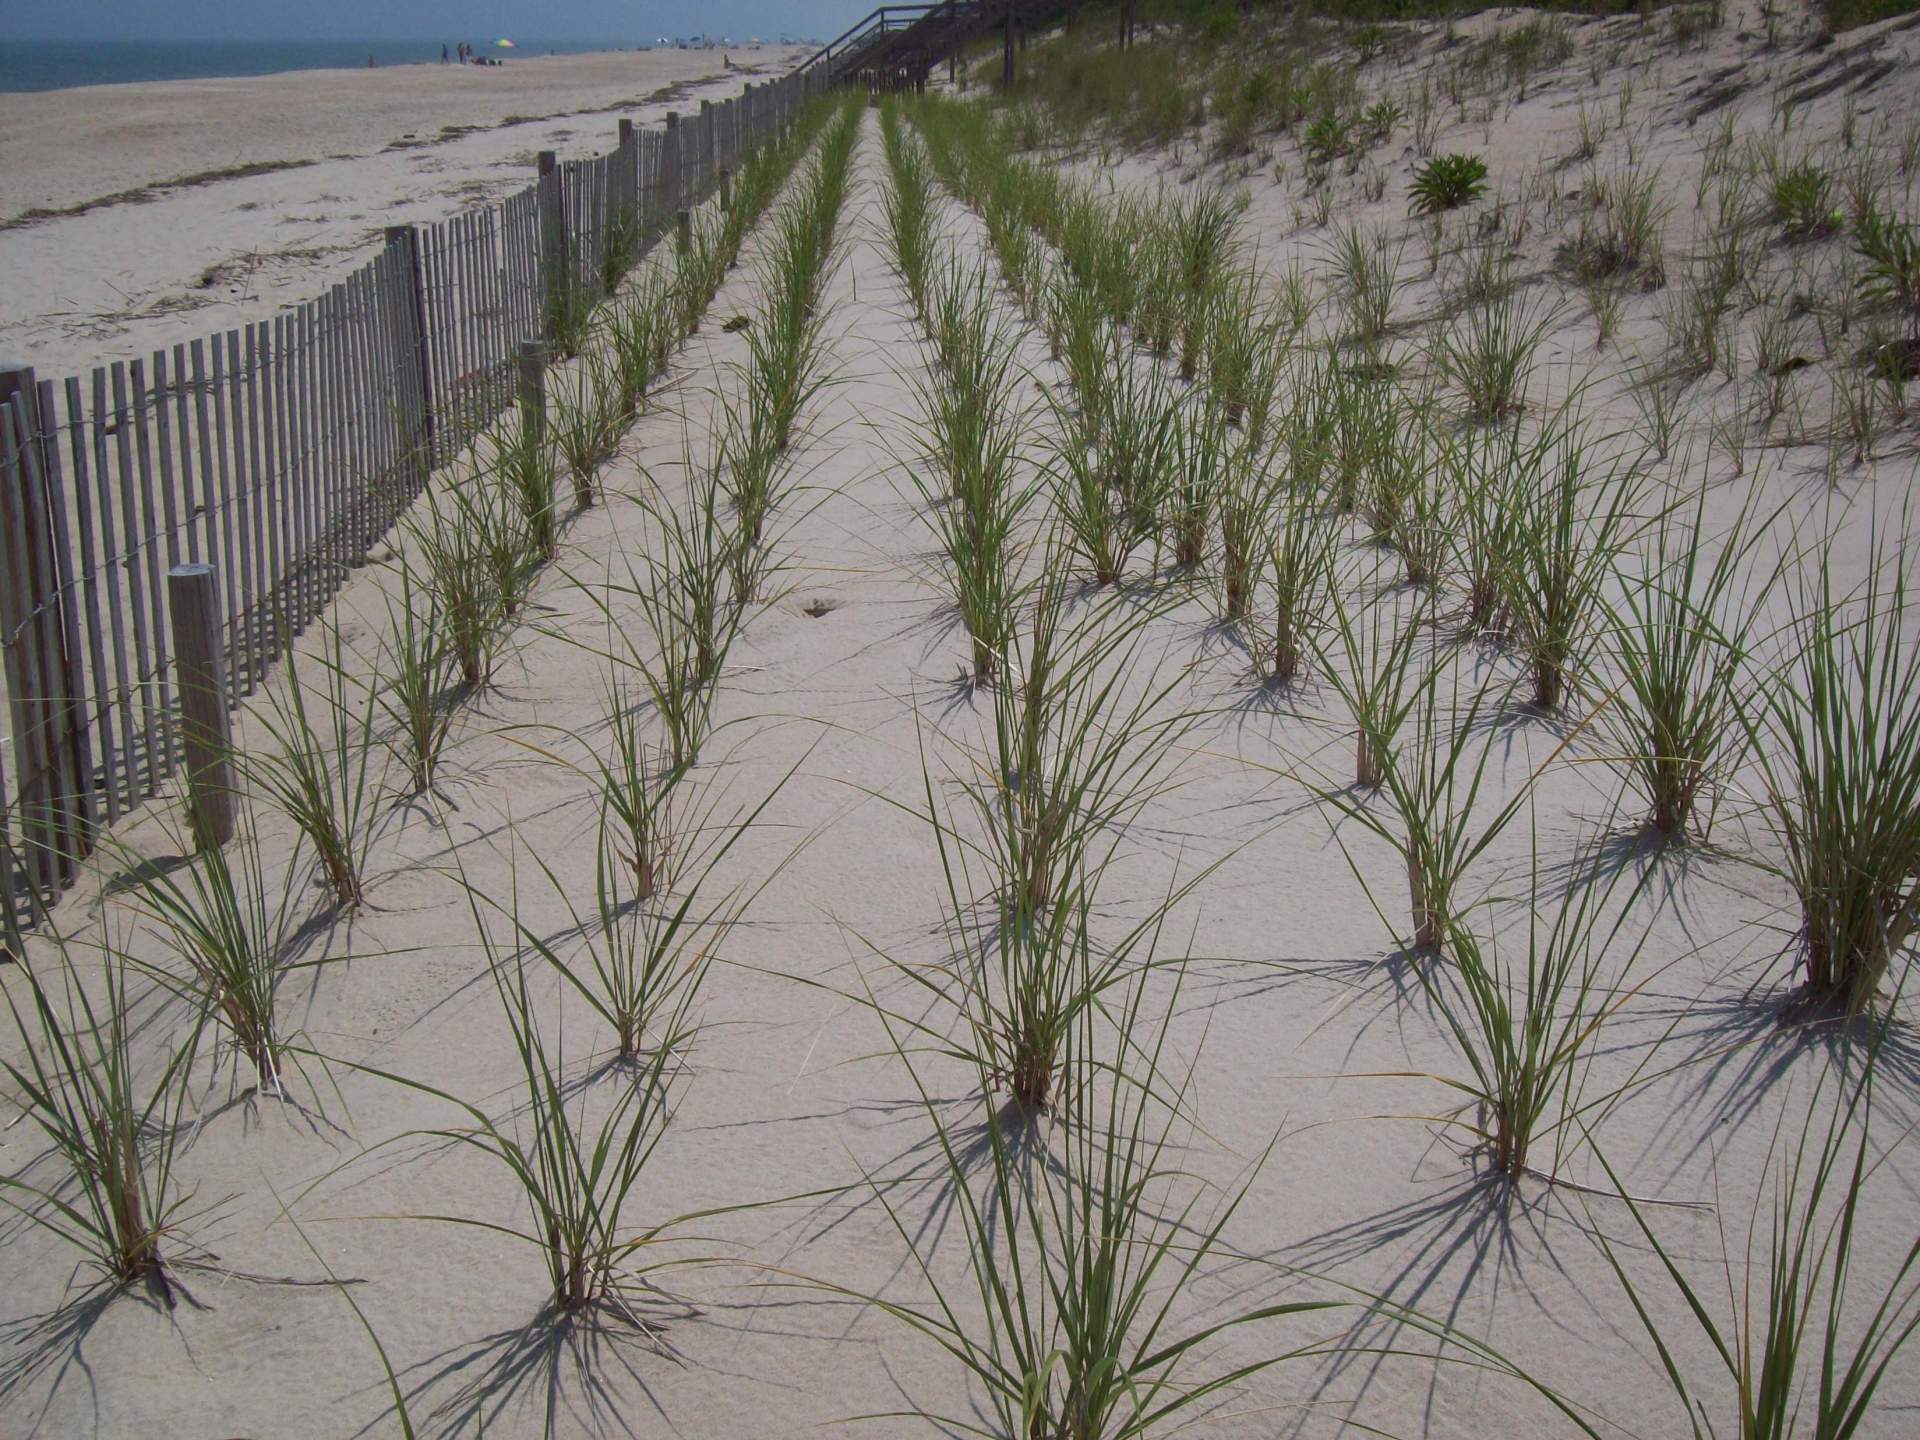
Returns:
<point x="615" y="21"/>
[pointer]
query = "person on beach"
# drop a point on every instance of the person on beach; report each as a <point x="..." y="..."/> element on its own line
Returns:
<point x="443" y="54"/>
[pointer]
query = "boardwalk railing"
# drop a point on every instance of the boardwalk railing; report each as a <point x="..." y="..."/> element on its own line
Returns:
<point x="280" y="451"/>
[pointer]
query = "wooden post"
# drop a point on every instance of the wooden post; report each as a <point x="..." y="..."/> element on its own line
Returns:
<point x="406" y="240"/>
<point x="553" y="241"/>
<point x="206" y="735"/>
<point x="707" y="135"/>
<point x="626" y="196"/>
<point x="683" y="230"/>
<point x="670" y="165"/>
<point x="533" y="390"/>
<point x="1006" y="54"/>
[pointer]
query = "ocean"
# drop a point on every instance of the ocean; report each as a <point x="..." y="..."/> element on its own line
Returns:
<point x="60" y="64"/>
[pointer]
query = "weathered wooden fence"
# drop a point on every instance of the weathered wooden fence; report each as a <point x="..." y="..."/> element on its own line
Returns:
<point x="280" y="451"/>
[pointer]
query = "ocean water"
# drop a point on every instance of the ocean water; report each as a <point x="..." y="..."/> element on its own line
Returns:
<point x="60" y="64"/>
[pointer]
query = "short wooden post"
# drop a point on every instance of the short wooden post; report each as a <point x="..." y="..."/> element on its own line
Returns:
<point x="533" y="390"/>
<point x="726" y="188"/>
<point x="683" y="230"/>
<point x="206" y="735"/>
<point x="1006" y="54"/>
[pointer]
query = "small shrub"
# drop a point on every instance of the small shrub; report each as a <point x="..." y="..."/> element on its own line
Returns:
<point x="1447" y="182"/>
<point x="1803" y="201"/>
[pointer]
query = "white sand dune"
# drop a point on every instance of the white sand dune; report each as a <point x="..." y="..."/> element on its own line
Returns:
<point x="1316" y="1057"/>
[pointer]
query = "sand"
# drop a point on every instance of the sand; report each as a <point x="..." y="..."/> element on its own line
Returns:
<point x="169" y="242"/>
<point x="1299" y="1015"/>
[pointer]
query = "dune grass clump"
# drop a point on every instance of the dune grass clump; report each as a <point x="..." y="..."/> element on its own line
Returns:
<point x="231" y="927"/>
<point x="1680" y="642"/>
<point x="1802" y="195"/>
<point x="473" y="567"/>
<point x="590" y="412"/>
<point x="1203" y="235"/>
<point x="1792" y="1344"/>
<point x="1488" y="352"/>
<point x="1248" y="339"/>
<point x="908" y="205"/>
<point x="1418" y="739"/>
<point x="1402" y="497"/>
<point x="571" y="301"/>
<point x="519" y="458"/>
<point x="1244" y="502"/>
<point x="967" y="475"/>
<point x="319" y="770"/>
<point x="639" y="332"/>
<point x="785" y="343"/>
<point x="1622" y="236"/>
<point x="1570" y="523"/>
<point x="1837" y="729"/>
<point x="574" y="1154"/>
<point x="637" y="793"/>
<point x="1302" y="540"/>
<point x="660" y="914"/>
<point x="1202" y="454"/>
<point x="1142" y="414"/>
<point x="417" y="678"/>
<point x="1525" y="1013"/>
<point x="682" y="589"/>
<point x="1079" y="1261"/>
<point x="113" y="1134"/>
<point x="1366" y="268"/>
<point x="1073" y="754"/>
<point x="1890" y="250"/>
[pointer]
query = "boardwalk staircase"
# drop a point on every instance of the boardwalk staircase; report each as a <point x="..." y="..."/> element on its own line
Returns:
<point x="897" y="46"/>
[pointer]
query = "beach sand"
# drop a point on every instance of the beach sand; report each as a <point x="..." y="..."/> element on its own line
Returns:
<point x="1316" y="1062"/>
<point x="195" y="205"/>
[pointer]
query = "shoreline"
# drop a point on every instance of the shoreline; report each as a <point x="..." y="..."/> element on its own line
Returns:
<point x="188" y="206"/>
<point x="521" y="56"/>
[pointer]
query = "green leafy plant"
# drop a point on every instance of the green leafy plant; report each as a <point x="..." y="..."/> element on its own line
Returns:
<point x="1802" y="196"/>
<point x="1891" y="250"/>
<point x="1446" y="182"/>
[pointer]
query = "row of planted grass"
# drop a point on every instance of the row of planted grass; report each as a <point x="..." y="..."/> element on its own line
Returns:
<point x="1626" y="615"/>
<point x="328" y="756"/>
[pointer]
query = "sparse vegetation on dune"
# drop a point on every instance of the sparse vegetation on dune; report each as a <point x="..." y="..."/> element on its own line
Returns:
<point x="1417" y="506"/>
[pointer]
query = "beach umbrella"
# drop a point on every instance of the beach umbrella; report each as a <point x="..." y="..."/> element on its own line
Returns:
<point x="504" y="44"/>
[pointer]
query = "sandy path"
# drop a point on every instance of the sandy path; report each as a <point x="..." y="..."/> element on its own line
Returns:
<point x="1295" y="980"/>
<point x="340" y="155"/>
